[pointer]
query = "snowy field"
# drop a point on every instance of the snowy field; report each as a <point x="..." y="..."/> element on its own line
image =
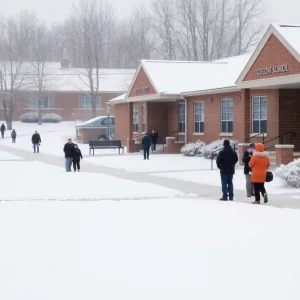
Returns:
<point x="54" y="137"/>
<point x="157" y="249"/>
<point x="8" y="156"/>
<point x="209" y="177"/>
<point x="40" y="181"/>
<point x="157" y="163"/>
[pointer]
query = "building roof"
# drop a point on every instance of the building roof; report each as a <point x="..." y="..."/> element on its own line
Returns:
<point x="119" y="98"/>
<point x="75" y="79"/>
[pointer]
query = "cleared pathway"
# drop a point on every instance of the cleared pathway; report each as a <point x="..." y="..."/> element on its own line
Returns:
<point x="189" y="188"/>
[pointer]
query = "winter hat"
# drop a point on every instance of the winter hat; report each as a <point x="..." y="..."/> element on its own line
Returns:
<point x="260" y="147"/>
<point x="252" y="146"/>
<point x="226" y="143"/>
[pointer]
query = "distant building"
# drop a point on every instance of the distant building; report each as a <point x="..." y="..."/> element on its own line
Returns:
<point x="67" y="92"/>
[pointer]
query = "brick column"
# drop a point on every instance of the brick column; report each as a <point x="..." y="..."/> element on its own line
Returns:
<point x="132" y="146"/>
<point x="284" y="154"/>
<point x="246" y="100"/>
<point x="242" y="149"/>
<point x="173" y="147"/>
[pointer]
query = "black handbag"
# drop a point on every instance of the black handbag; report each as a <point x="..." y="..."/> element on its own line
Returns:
<point x="269" y="176"/>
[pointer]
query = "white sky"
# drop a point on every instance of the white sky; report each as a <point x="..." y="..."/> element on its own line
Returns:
<point x="56" y="10"/>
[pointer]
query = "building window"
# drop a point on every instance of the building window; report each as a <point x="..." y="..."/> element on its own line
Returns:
<point x="259" y="114"/>
<point x="135" y="119"/>
<point x="226" y="116"/>
<point x="47" y="102"/>
<point x="199" y="116"/>
<point x="85" y="102"/>
<point x="143" y="118"/>
<point x="181" y="117"/>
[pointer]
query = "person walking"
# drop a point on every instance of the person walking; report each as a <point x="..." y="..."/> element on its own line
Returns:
<point x="154" y="138"/>
<point x="77" y="155"/>
<point x="68" y="150"/>
<point x="146" y="142"/>
<point x="260" y="162"/>
<point x="36" y="142"/>
<point x="226" y="161"/>
<point x="3" y="129"/>
<point x="13" y="136"/>
<point x="247" y="170"/>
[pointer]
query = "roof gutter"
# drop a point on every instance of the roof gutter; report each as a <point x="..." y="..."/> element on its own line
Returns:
<point x="210" y="92"/>
<point x="186" y="119"/>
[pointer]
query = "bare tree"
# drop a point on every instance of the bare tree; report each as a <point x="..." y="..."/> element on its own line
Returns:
<point x="16" y="37"/>
<point x="41" y="67"/>
<point x="87" y="34"/>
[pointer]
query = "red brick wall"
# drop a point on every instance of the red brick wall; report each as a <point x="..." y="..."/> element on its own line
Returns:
<point x="173" y="118"/>
<point x="66" y="105"/>
<point x="142" y="81"/>
<point x="212" y="117"/>
<point x="121" y="121"/>
<point x="273" y="54"/>
<point x="289" y="115"/>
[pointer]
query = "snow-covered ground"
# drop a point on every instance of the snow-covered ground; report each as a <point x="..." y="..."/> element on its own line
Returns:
<point x="39" y="181"/>
<point x="209" y="177"/>
<point x="155" y="249"/>
<point x="157" y="163"/>
<point x="8" y="156"/>
<point x="53" y="136"/>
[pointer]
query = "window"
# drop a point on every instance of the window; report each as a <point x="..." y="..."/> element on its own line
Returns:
<point x="105" y="121"/>
<point x="47" y="102"/>
<point x="226" y="116"/>
<point x="181" y="117"/>
<point x="199" y="116"/>
<point x="135" y="119"/>
<point x="143" y="118"/>
<point x="259" y="115"/>
<point x="85" y="102"/>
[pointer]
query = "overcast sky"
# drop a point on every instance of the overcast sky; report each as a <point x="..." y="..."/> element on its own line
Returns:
<point x="56" y="10"/>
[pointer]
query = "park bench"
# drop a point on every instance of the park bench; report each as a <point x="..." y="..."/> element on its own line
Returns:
<point x="113" y="144"/>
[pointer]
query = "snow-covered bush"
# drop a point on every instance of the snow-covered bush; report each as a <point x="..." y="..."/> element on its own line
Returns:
<point x="51" y="118"/>
<point x="290" y="174"/>
<point x="32" y="117"/>
<point x="212" y="148"/>
<point x="194" y="149"/>
<point x="29" y="118"/>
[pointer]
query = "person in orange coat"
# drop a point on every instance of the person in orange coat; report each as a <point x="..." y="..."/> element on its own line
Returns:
<point x="260" y="162"/>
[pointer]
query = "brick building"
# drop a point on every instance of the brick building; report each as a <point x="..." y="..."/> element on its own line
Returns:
<point x="253" y="95"/>
<point x="66" y="91"/>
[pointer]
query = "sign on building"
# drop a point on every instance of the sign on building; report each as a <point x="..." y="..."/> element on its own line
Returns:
<point x="273" y="70"/>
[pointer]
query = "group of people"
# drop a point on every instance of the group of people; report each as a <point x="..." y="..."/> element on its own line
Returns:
<point x="149" y="141"/>
<point x="72" y="155"/>
<point x="256" y="164"/>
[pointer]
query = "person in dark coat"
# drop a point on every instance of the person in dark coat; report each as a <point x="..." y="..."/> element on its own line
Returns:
<point x="77" y="155"/>
<point x="154" y="138"/>
<point x="247" y="170"/>
<point x="13" y="136"/>
<point x="226" y="161"/>
<point x="3" y="129"/>
<point x="68" y="150"/>
<point x="146" y="142"/>
<point x="36" y="141"/>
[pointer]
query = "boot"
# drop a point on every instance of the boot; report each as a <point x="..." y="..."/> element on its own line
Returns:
<point x="266" y="198"/>
<point x="256" y="202"/>
<point x="223" y="199"/>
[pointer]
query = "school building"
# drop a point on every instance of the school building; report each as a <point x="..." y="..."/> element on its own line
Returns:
<point x="249" y="98"/>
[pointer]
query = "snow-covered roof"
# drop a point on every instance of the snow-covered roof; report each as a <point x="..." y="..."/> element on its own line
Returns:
<point x="119" y="98"/>
<point x="290" y="33"/>
<point x="92" y="123"/>
<point x="176" y="77"/>
<point x="72" y="79"/>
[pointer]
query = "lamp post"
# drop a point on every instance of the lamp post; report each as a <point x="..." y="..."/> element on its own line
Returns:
<point x="108" y="120"/>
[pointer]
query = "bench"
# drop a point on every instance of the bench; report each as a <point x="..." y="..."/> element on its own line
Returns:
<point x="113" y="144"/>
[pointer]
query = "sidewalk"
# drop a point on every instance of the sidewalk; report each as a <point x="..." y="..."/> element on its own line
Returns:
<point x="192" y="189"/>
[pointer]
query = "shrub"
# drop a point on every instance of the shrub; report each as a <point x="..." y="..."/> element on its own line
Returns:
<point x="213" y="147"/>
<point x="29" y="118"/>
<point x="290" y="174"/>
<point x="32" y="117"/>
<point x="51" y="118"/>
<point x="194" y="149"/>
